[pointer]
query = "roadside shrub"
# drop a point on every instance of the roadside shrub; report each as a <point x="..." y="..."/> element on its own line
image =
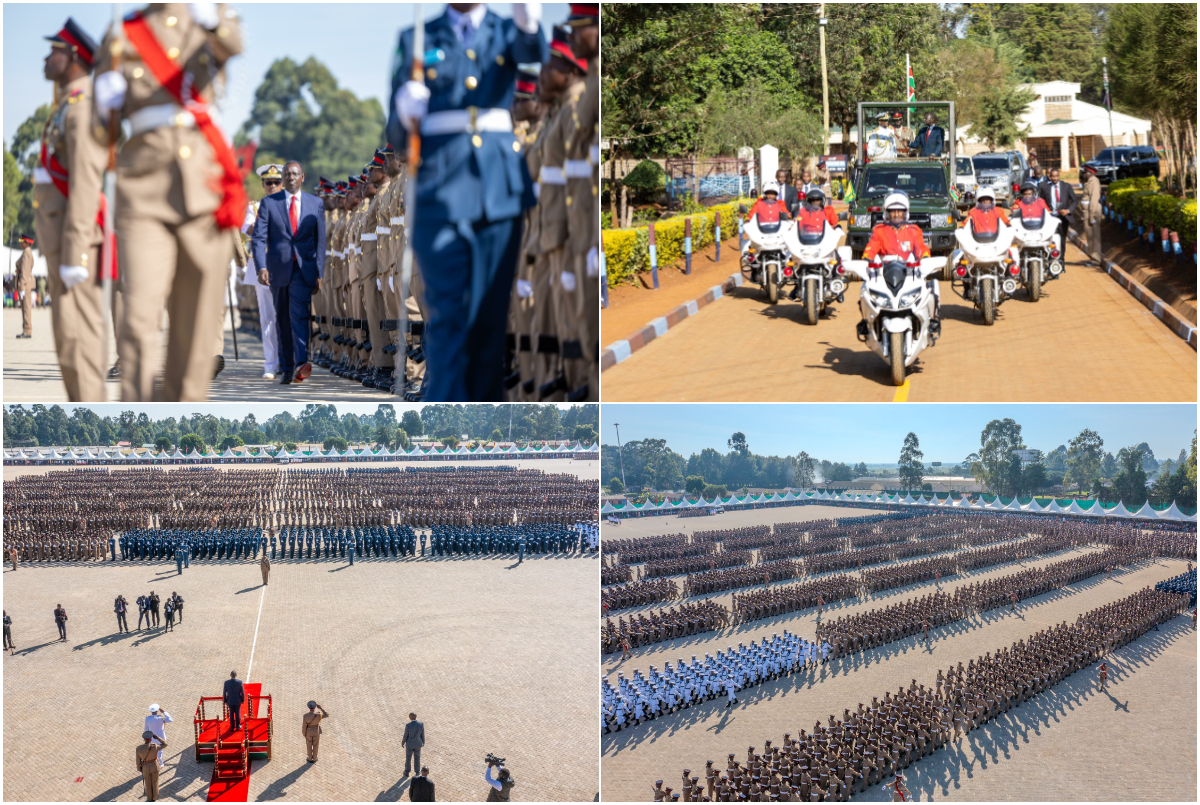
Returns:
<point x="627" y="251"/>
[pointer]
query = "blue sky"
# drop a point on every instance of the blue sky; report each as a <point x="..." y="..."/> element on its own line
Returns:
<point x="874" y="432"/>
<point x="355" y="40"/>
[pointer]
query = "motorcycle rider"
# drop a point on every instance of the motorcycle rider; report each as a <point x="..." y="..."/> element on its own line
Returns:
<point x="898" y="236"/>
<point x="1031" y="207"/>
<point x="813" y="210"/>
<point x="985" y="216"/>
<point x="881" y="143"/>
<point x="768" y="207"/>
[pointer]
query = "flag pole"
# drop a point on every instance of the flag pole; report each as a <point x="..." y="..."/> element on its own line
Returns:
<point x="410" y="185"/>
<point x="1111" y="138"/>
<point x="908" y="93"/>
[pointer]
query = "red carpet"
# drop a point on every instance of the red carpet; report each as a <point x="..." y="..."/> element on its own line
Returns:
<point x="233" y="789"/>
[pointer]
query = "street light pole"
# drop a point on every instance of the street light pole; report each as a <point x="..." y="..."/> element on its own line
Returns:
<point x="821" y="22"/>
<point x="620" y="454"/>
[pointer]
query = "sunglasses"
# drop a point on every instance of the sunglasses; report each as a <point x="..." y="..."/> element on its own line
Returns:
<point x="272" y="183"/>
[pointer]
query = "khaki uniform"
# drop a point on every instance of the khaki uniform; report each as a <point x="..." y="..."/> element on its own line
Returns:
<point x="171" y="251"/>
<point x="354" y="306"/>
<point x="264" y="565"/>
<point x="26" y="284"/>
<point x="146" y="756"/>
<point x="311" y="728"/>
<point x="522" y="309"/>
<point x="68" y="234"/>
<point x="375" y="217"/>
<point x="1090" y="216"/>
<point x="580" y="315"/>
<point x="336" y="271"/>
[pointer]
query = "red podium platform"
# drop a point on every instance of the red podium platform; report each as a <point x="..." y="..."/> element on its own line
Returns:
<point x="231" y="750"/>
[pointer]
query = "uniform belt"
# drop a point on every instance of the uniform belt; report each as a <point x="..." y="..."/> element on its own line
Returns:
<point x="594" y="155"/>
<point x="327" y="252"/>
<point x="578" y="169"/>
<point x="154" y="117"/>
<point x="397" y="219"/>
<point x="383" y="230"/>
<point x="41" y="176"/>
<point x="550" y="174"/>
<point x="368" y="236"/>
<point x="339" y="254"/>
<point x="456" y="121"/>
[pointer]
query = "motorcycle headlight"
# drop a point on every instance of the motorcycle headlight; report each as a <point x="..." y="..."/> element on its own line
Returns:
<point x="939" y="221"/>
<point x="881" y="299"/>
<point x="908" y="298"/>
<point x="862" y="221"/>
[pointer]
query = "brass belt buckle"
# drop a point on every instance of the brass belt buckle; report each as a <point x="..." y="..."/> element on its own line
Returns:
<point x="476" y="140"/>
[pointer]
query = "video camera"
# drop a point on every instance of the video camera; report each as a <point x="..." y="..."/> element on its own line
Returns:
<point x="492" y="760"/>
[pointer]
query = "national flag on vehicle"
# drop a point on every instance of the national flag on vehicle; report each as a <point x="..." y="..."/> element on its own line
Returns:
<point x="955" y="194"/>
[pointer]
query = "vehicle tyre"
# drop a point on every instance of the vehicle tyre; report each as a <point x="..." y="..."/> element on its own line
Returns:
<point x="987" y="302"/>
<point x="810" y="301"/>
<point x="896" y="353"/>
<point x="1035" y="284"/>
<point x="947" y="272"/>
<point x="772" y="287"/>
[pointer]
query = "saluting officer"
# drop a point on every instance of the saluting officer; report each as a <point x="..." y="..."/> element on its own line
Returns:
<point x="178" y="189"/>
<point x="67" y="214"/>
<point x="26" y="284"/>
<point x="472" y="188"/>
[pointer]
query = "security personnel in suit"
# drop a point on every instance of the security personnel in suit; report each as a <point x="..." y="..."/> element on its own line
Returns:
<point x="26" y="284"/>
<point x="146" y="757"/>
<point x="178" y="190"/>
<point x="471" y="187"/>
<point x="1061" y="199"/>
<point x="311" y="728"/>
<point x="66" y="203"/>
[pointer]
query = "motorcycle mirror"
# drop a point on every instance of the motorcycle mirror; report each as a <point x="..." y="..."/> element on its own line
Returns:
<point x="856" y="267"/>
<point x="842" y="216"/>
<point x="932" y="265"/>
<point x="742" y="209"/>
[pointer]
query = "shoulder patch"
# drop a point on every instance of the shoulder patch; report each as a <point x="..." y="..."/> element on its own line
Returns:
<point x="75" y="96"/>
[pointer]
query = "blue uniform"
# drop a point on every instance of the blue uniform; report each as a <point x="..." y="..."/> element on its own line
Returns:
<point x="471" y="190"/>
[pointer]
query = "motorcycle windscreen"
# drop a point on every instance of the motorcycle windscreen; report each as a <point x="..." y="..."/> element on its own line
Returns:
<point x="1030" y="219"/>
<point x="894" y="274"/>
<point x="985" y="227"/>
<point x="769" y="229"/>
<point x="811" y="226"/>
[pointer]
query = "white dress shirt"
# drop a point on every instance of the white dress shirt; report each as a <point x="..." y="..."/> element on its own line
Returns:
<point x="467" y="22"/>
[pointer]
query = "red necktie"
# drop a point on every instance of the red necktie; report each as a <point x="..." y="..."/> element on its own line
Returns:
<point x="295" y="216"/>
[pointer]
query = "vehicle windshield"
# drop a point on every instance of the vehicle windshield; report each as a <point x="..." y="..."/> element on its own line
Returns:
<point x="964" y="165"/>
<point x="917" y="181"/>
<point x="1107" y="155"/>
<point x="991" y="163"/>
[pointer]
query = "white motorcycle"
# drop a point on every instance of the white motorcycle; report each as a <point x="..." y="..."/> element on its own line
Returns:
<point x="817" y="268"/>
<point x="899" y="306"/>
<point x="765" y="254"/>
<point x="1040" y="251"/>
<point x="986" y="268"/>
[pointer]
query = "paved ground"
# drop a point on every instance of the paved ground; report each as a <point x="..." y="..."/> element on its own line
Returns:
<point x="1066" y="347"/>
<point x="31" y="371"/>
<point x="1045" y="750"/>
<point x="493" y="658"/>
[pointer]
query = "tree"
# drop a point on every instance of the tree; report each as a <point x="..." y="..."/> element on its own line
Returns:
<point x="1129" y="484"/>
<point x="994" y="469"/>
<point x="12" y="197"/>
<point x="694" y="485"/>
<point x="190" y="442"/>
<point x="1109" y="466"/>
<point x="400" y="439"/>
<point x="162" y="444"/>
<point x="582" y="433"/>
<point x="411" y="422"/>
<point x="714" y="491"/>
<point x="253" y="437"/>
<point x="384" y="435"/>
<point x="25" y="150"/>
<point x="230" y="442"/>
<point x="803" y="471"/>
<point x="737" y="443"/>
<point x="300" y="113"/>
<point x="861" y="470"/>
<point x="751" y="115"/>
<point x="839" y="473"/>
<point x="615" y="486"/>
<point x="1084" y="458"/>
<point x="497" y="435"/>
<point x="998" y="119"/>
<point x="450" y="441"/>
<point x="335" y="441"/>
<point x="911" y="468"/>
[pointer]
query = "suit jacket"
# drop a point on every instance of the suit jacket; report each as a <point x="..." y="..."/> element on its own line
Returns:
<point x="278" y="250"/>
<point x="1067" y="198"/>
<point x="459" y="180"/>
<point x="414" y="734"/>
<point x="931" y="141"/>
<point x="421" y="790"/>
<point x="791" y="198"/>
<point x="234" y="692"/>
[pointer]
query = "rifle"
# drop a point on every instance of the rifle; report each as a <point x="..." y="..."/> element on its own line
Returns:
<point x="109" y="268"/>
<point x="410" y="185"/>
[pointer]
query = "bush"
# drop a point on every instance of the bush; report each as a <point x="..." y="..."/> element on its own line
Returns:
<point x="1139" y="198"/>
<point x="606" y="220"/>
<point x="627" y="251"/>
<point x="648" y="178"/>
<point x="1184" y="221"/>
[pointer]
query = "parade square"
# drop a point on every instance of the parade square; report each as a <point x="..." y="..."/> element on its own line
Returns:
<point x="493" y="657"/>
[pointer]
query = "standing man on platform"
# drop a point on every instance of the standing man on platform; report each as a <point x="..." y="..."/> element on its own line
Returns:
<point x="179" y="191"/>
<point x="26" y="284"/>
<point x="289" y="252"/>
<point x="66" y="205"/>
<point x="234" y="694"/>
<point x="468" y="219"/>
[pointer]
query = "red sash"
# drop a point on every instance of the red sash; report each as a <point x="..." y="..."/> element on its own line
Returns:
<point x="232" y="210"/>
<point x="59" y="176"/>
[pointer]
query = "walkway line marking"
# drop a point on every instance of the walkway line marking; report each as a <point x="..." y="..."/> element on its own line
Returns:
<point x="902" y="392"/>
<point x="255" y="641"/>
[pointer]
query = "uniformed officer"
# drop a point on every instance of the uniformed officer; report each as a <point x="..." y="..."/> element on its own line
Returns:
<point x="67" y="214"/>
<point x="146" y="757"/>
<point x="178" y="189"/>
<point x="264" y="565"/>
<point x="472" y="189"/>
<point x="311" y="728"/>
<point x="379" y="371"/>
<point x="26" y="284"/>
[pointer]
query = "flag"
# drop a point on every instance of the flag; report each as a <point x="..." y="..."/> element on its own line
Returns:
<point x="955" y="195"/>
<point x="1106" y="101"/>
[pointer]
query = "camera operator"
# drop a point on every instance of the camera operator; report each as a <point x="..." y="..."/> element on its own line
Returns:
<point x="503" y="782"/>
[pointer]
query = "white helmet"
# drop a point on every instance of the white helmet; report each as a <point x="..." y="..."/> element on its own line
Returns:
<point x="896" y="200"/>
<point x="770" y="187"/>
<point x="985" y="192"/>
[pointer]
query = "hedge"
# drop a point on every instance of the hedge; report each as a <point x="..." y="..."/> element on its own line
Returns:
<point x="627" y="251"/>
<point x="1139" y="198"/>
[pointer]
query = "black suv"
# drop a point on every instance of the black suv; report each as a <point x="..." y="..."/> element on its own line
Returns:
<point x="1124" y="162"/>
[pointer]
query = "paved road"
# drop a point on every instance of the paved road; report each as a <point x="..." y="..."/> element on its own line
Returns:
<point x="493" y="658"/>
<point x="1086" y="340"/>
<point x="31" y="371"/>
<point x="1045" y="750"/>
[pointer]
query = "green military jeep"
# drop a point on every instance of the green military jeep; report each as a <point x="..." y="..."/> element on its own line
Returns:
<point x="928" y="181"/>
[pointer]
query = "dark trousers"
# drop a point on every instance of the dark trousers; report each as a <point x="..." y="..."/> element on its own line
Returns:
<point x="179" y="613"/>
<point x="467" y="297"/>
<point x="62" y="629"/>
<point x="121" y="622"/>
<point x="235" y="715"/>
<point x="143" y="613"/>
<point x="291" y="317"/>
<point x="8" y="642"/>
<point x="154" y="614"/>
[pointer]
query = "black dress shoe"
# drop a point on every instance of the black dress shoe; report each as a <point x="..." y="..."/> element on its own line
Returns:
<point x="220" y="365"/>
<point x="115" y="371"/>
<point x="285" y="379"/>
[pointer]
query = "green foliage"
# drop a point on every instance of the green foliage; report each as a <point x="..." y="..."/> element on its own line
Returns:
<point x="230" y="442"/>
<point x="289" y="446"/>
<point x="1129" y="483"/>
<point x="713" y="491"/>
<point x="254" y="436"/>
<point x="449" y="441"/>
<point x="647" y="178"/>
<point x="998" y="468"/>
<point x="911" y="467"/>
<point x="412" y="424"/>
<point x="24" y="149"/>
<point x="400" y="439"/>
<point x="162" y="443"/>
<point x="190" y="442"/>
<point x="694" y="485"/>
<point x="1139" y="198"/>
<point x="1000" y="108"/>
<point x="627" y="251"/>
<point x="1085" y="457"/>
<point x="585" y="433"/>
<point x="335" y="441"/>
<point x="615" y="486"/>
<point x="751" y="115"/>
<point x="12" y="197"/>
<point x="497" y="435"/>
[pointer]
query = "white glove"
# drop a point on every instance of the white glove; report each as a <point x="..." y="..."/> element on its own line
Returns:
<point x="72" y="275"/>
<point x="527" y="16"/>
<point x="568" y="281"/>
<point x="378" y="285"/>
<point x="391" y="285"/>
<point x="109" y="91"/>
<point x="205" y="14"/>
<point x="593" y="263"/>
<point x="524" y="289"/>
<point x="412" y="102"/>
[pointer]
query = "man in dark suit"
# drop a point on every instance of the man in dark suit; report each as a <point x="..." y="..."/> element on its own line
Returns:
<point x="790" y="198"/>
<point x="1061" y="199"/>
<point x="413" y="740"/>
<point x="289" y="250"/>
<point x="472" y="187"/>
<point x="421" y="789"/>
<point x="234" y="694"/>
<point x="931" y="139"/>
